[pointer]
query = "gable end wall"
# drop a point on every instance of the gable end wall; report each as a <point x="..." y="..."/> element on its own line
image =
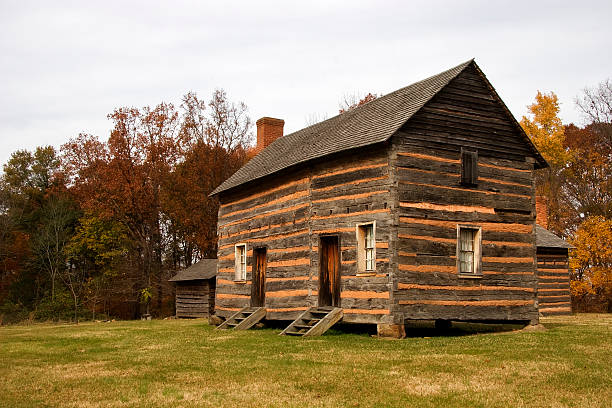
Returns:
<point x="432" y="202"/>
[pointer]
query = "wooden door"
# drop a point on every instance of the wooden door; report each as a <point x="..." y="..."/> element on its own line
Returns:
<point x="329" y="272"/>
<point x="258" y="286"/>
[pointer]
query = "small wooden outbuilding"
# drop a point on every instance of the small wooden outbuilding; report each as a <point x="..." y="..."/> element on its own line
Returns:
<point x="553" y="273"/>
<point x="195" y="289"/>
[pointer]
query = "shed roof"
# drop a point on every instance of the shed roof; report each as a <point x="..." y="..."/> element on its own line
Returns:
<point x="203" y="269"/>
<point x="546" y="239"/>
<point x="373" y="122"/>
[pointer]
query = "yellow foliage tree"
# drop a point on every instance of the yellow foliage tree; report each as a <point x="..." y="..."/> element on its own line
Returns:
<point x="591" y="261"/>
<point x="546" y="131"/>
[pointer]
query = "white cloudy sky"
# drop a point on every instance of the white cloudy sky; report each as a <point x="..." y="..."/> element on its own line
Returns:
<point x="65" y="65"/>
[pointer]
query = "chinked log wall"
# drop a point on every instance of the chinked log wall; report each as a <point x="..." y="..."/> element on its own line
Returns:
<point x="553" y="285"/>
<point x="288" y="214"/>
<point x="432" y="202"/>
<point x="195" y="298"/>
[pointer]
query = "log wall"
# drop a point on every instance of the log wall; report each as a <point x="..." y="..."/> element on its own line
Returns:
<point x="553" y="282"/>
<point x="432" y="202"/>
<point x="411" y="188"/>
<point x="195" y="298"/>
<point x="287" y="214"/>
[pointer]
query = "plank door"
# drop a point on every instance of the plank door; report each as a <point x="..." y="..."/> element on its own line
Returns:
<point x="329" y="272"/>
<point x="258" y="287"/>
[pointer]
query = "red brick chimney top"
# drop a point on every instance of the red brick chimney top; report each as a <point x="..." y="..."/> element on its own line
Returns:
<point x="542" y="211"/>
<point x="268" y="130"/>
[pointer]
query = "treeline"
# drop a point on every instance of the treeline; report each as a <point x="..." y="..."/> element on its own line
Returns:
<point x="97" y="227"/>
<point x="578" y="188"/>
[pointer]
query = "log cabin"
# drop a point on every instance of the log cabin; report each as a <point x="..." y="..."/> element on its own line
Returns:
<point x="553" y="271"/>
<point x="195" y="290"/>
<point x="418" y="205"/>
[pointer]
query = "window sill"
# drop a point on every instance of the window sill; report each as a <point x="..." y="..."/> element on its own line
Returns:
<point x="470" y="276"/>
<point x="240" y="282"/>
<point x="373" y="273"/>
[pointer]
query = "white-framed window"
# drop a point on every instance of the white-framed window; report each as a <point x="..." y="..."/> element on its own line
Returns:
<point x="469" y="250"/>
<point x="240" y="262"/>
<point x="366" y="247"/>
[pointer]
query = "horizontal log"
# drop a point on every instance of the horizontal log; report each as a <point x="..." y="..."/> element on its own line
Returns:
<point x="328" y="173"/>
<point x="351" y="196"/>
<point x="304" y="182"/>
<point x="487" y="226"/>
<point x="464" y="287"/>
<point x="269" y="239"/>
<point x="366" y="311"/>
<point x="452" y="241"/>
<point x="280" y="200"/>
<point x="368" y="182"/>
<point x="365" y="294"/>
<point x="488" y="303"/>
<point x="453" y="279"/>
<point x="432" y="177"/>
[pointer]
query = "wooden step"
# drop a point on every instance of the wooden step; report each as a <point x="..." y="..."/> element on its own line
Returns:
<point x="309" y="325"/>
<point x="244" y="319"/>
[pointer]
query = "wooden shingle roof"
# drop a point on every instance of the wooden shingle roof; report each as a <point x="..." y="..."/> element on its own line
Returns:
<point x="371" y="123"/>
<point x="546" y="239"/>
<point x="203" y="269"/>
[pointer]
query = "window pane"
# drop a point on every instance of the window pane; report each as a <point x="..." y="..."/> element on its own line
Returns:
<point x="370" y="259"/>
<point x="466" y="262"/>
<point x="466" y="250"/>
<point x="467" y="239"/>
<point x="369" y="230"/>
<point x="241" y="262"/>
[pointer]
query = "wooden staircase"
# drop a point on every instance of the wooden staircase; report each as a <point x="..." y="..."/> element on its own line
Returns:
<point x="244" y="319"/>
<point x="314" y="321"/>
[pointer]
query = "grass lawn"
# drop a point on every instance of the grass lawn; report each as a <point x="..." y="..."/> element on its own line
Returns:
<point x="179" y="363"/>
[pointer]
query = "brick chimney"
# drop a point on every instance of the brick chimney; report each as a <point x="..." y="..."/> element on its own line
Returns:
<point x="542" y="211"/>
<point x="268" y="130"/>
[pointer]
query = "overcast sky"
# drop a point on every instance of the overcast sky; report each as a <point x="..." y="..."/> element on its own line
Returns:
<point x="65" y="65"/>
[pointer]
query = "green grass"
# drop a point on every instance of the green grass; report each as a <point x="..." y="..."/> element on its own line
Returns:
<point x="177" y="363"/>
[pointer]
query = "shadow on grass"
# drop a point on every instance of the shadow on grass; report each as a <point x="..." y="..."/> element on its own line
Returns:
<point x="428" y="329"/>
<point x="413" y="329"/>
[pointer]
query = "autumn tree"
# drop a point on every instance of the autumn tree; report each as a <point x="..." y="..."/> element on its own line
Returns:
<point x="153" y="177"/>
<point x="591" y="263"/>
<point x="546" y="131"/>
<point x="98" y="255"/>
<point x="588" y="177"/>
<point x="29" y="187"/>
<point x="122" y="179"/>
<point x="588" y="187"/>
<point x="217" y="134"/>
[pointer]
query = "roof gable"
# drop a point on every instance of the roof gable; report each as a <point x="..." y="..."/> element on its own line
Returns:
<point x="371" y="123"/>
<point x="468" y="112"/>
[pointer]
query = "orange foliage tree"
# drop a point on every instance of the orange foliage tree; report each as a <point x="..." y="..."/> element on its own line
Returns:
<point x="153" y="176"/>
<point x="122" y="179"/>
<point x="591" y="263"/>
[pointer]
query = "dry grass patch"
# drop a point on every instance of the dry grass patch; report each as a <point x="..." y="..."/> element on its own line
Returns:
<point x="178" y="363"/>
